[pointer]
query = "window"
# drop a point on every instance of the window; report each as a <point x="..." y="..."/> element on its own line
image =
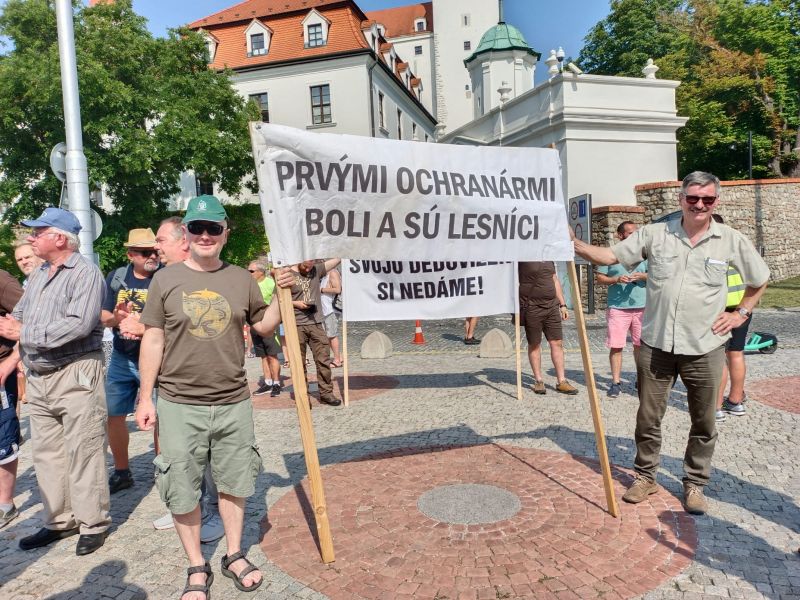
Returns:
<point x="426" y="137"/>
<point x="203" y="186"/>
<point x="262" y="101"/>
<point x="381" y="118"/>
<point x="399" y="124"/>
<point x="413" y="131"/>
<point x="465" y="20"/>
<point x="417" y="50"/>
<point x="315" y="36"/>
<point x="257" y="44"/>
<point x="419" y="25"/>
<point x="321" y="104"/>
<point x="467" y="45"/>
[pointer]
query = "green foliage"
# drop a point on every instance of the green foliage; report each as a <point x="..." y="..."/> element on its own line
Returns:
<point x="151" y="109"/>
<point x="739" y="64"/>
<point x="247" y="239"/>
<point x="7" y="262"/>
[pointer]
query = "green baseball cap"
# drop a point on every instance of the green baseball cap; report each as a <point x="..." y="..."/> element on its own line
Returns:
<point x="205" y="208"/>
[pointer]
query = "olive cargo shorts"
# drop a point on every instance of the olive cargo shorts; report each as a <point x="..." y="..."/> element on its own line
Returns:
<point x="190" y="437"/>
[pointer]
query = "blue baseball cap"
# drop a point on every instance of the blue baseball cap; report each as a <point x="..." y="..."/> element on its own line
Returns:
<point x="55" y="217"/>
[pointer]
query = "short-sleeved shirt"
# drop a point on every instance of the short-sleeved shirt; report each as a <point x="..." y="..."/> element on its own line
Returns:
<point x="134" y="291"/>
<point x="536" y="286"/>
<point x="306" y="289"/>
<point x="267" y="287"/>
<point x="686" y="285"/>
<point x="626" y="295"/>
<point x="10" y="293"/>
<point x="203" y="314"/>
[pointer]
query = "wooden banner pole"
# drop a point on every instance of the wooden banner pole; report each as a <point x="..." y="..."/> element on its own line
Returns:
<point x="306" y="425"/>
<point x="345" y="363"/>
<point x="519" y="355"/>
<point x="599" y="431"/>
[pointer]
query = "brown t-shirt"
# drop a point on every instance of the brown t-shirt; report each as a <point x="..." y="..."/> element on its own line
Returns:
<point x="10" y="293"/>
<point x="536" y="286"/>
<point x="306" y="289"/>
<point x="203" y="314"/>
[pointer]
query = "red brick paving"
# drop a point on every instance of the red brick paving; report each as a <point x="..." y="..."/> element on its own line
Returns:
<point x="782" y="393"/>
<point x="561" y="544"/>
<point x="362" y="387"/>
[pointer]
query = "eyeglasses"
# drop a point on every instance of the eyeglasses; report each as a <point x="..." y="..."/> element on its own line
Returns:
<point x="143" y="252"/>
<point x="707" y="200"/>
<point x="200" y="227"/>
<point x="42" y="232"/>
<point x="254" y="270"/>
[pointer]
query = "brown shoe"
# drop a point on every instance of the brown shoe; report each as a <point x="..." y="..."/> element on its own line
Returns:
<point x="640" y="489"/>
<point x="693" y="499"/>
<point x="538" y="387"/>
<point x="564" y="387"/>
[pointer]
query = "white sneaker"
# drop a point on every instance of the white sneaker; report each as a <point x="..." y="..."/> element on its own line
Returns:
<point x="211" y="529"/>
<point x="164" y="522"/>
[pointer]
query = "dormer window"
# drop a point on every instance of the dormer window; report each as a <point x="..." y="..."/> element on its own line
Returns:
<point x="258" y="38"/>
<point x="420" y="25"/>
<point x="315" y="29"/>
<point x="211" y="45"/>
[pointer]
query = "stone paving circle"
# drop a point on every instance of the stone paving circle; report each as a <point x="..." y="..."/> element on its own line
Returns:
<point x="561" y="541"/>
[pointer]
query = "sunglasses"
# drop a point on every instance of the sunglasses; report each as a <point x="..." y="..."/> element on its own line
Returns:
<point x="707" y="200"/>
<point x="144" y="252"/>
<point x="200" y="227"/>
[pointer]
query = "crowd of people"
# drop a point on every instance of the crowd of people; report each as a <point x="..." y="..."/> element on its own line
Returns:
<point x="179" y="313"/>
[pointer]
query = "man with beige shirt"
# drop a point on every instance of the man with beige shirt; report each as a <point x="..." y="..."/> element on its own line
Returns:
<point x="685" y="325"/>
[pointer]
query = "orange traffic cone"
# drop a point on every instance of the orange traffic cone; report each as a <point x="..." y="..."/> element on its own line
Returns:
<point x="418" y="339"/>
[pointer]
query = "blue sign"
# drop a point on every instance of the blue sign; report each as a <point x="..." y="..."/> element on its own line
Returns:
<point x="581" y="208"/>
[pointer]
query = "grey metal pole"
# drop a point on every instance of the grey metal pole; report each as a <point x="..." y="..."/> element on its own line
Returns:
<point x="749" y="154"/>
<point x="77" y="173"/>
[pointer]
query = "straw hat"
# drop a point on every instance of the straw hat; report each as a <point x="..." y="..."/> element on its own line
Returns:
<point x="141" y="238"/>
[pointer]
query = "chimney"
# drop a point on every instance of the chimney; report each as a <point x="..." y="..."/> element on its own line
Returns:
<point x="95" y="2"/>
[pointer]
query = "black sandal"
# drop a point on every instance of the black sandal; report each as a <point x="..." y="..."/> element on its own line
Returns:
<point x="227" y="561"/>
<point x="196" y="587"/>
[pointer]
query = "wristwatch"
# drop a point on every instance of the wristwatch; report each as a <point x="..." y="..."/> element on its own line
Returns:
<point x="744" y="312"/>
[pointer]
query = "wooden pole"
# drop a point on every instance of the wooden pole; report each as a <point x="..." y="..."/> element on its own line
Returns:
<point x="345" y="363"/>
<point x="599" y="431"/>
<point x="519" y="355"/>
<point x="516" y="332"/>
<point x="306" y="424"/>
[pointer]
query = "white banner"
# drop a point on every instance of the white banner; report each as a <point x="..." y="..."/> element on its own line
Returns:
<point x="398" y="290"/>
<point x="325" y="195"/>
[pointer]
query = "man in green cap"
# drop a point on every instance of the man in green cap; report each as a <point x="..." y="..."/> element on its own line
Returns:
<point x="193" y="343"/>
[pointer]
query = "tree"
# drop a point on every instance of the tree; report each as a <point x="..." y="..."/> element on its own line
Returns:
<point x="151" y="109"/>
<point x="739" y="63"/>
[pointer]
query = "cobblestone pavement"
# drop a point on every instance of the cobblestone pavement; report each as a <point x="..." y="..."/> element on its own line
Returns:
<point x="448" y="398"/>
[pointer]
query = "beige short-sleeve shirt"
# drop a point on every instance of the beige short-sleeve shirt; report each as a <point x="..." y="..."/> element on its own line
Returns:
<point x="687" y="285"/>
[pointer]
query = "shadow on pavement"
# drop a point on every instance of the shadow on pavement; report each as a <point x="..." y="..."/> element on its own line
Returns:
<point x="100" y="580"/>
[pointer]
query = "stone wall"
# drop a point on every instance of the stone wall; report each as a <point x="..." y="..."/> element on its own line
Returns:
<point x="765" y="210"/>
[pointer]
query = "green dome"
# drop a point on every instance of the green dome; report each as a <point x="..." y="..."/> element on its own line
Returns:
<point x="502" y="37"/>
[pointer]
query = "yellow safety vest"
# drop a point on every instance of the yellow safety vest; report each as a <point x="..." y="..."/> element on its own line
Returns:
<point x="736" y="288"/>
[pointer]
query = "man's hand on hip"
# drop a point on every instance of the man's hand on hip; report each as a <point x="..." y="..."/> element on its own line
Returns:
<point x="727" y="321"/>
<point x="10" y="327"/>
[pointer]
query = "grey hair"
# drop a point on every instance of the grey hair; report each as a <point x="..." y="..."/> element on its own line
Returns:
<point x="259" y="265"/>
<point x="176" y="222"/>
<point x="702" y="179"/>
<point x="73" y="241"/>
<point x="20" y="243"/>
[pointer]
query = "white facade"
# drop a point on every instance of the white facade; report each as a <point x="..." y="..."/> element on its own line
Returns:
<point x="611" y="133"/>
<point x="417" y="51"/>
<point x="511" y="69"/>
<point x="355" y="85"/>
<point x="458" y="28"/>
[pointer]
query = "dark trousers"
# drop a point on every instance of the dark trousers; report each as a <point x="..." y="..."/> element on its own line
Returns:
<point x="701" y="375"/>
<point x="315" y="336"/>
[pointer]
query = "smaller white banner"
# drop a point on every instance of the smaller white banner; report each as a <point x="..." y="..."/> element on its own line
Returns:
<point x="402" y="290"/>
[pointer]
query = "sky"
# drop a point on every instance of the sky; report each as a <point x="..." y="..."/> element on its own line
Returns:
<point x="546" y="24"/>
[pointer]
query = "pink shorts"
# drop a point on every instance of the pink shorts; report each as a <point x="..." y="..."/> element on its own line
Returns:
<point x="620" y="321"/>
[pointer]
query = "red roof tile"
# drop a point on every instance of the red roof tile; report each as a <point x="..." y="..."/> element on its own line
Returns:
<point x="400" y="21"/>
<point x="287" y="39"/>
<point x="252" y="9"/>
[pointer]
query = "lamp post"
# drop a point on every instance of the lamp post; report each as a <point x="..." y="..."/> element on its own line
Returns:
<point x="77" y="174"/>
<point x="560" y="54"/>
